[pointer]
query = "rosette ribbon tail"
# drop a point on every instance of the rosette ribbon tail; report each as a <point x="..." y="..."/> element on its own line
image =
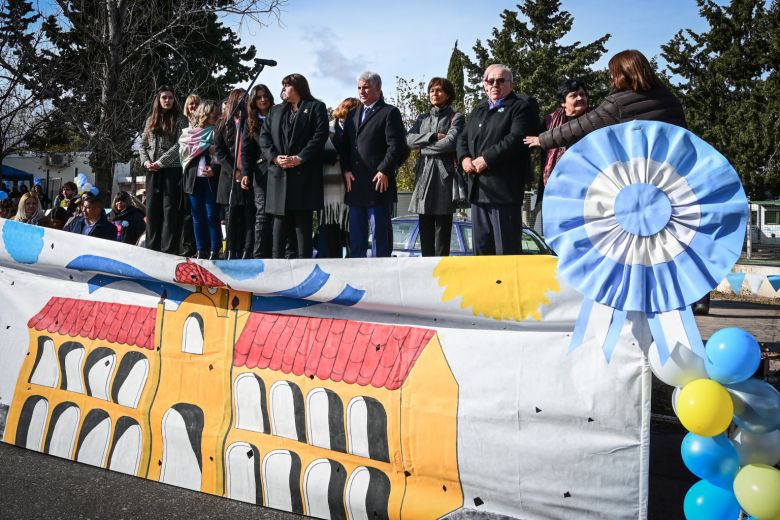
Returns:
<point x="672" y="327"/>
<point x="600" y="323"/>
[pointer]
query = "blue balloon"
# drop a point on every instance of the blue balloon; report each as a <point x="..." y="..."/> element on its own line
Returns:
<point x="711" y="458"/>
<point x="705" y="501"/>
<point x="3" y="195"/>
<point x="733" y="355"/>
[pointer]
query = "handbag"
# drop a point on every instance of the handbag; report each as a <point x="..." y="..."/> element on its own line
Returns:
<point x="460" y="190"/>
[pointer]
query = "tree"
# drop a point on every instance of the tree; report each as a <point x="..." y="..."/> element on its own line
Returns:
<point x="411" y="98"/>
<point x="730" y="88"/>
<point x="22" y="113"/>
<point x="106" y="58"/>
<point x="532" y="51"/>
<point x="456" y="77"/>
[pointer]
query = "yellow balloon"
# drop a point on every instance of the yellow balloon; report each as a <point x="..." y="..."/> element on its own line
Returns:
<point x="705" y="407"/>
<point x="757" y="487"/>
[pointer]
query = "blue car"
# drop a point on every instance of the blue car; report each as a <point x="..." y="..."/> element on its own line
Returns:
<point x="406" y="238"/>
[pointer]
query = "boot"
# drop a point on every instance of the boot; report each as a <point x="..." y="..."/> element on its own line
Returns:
<point x="247" y="255"/>
<point x="214" y="255"/>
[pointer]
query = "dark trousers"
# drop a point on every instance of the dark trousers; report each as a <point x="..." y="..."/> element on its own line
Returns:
<point x="241" y="227"/>
<point x="188" y="245"/>
<point x="331" y="243"/>
<point x="435" y="231"/>
<point x="205" y="215"/>
<point x="298" y="224"/>
<point x="375" y="219"/>
<point x="263" y="224"/>
<point x="163" y="210"/>
<point x="498" y="228"/>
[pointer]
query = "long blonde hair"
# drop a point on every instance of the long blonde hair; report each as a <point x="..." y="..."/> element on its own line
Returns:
<point x="21" y="214"/>
<point x="204" y="112"/>
<point x="191" y="115"/>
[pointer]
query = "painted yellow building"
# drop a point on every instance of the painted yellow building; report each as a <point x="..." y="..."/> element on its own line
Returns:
<point x="329" y="418"/>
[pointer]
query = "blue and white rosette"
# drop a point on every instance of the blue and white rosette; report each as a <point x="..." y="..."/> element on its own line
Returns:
<point x="644" y="216"/>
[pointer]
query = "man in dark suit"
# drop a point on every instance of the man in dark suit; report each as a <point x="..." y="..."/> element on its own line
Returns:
<point x="374" y="148"/>
<point x="497" y="163"/>
<point x="93" y="222"/>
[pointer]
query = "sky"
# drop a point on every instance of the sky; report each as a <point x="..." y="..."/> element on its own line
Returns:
<point x="331" y="41"/>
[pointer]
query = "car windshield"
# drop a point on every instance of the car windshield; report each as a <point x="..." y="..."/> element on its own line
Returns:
<point x="454" y="242"/>
<point x="402" y="231"/>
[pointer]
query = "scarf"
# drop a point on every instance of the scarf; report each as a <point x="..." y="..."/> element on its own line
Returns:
<point x="193" y="142"/>
<point x="553" y="120"/>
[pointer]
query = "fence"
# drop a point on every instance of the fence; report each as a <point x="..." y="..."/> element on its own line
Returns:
<point x="762" y="236"/>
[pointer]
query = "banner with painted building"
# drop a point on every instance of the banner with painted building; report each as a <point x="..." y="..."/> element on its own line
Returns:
<point x="379" y="388"/>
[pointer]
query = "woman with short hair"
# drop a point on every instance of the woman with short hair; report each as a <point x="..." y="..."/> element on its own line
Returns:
<point x="292" y="141"/>
<point x="159" y="154"/>
<point x="435" y="134"/>
<point x="128" y="219"/>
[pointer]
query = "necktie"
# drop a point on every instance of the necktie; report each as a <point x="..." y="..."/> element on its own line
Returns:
<point x="366" y="110"/>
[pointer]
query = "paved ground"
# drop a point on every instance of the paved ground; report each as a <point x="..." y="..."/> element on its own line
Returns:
<point x="34" y="486"/>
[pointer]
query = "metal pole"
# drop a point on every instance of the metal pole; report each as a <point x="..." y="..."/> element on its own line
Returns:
<point x="749" y="233"/>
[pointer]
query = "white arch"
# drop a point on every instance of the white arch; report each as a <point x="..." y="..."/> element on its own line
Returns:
<point x="37" y="424"/>
<point x="99" y="376"/>
<point x="127" y="451"/>
<point x="316" y="484"/>
<point x="94" y="447"/>
<point x="283" y="410"/>
<point x="318" y="418"/>
<point x="277" y="467"/>
<point x="180" y="463"/>
<point x="249" y="403"/>
<point x="192" y="336"/>
<point x="357" y="427"/>
<point x="63" y="436"/>
<point x="357" y="491"/>
<point x="241" y="474"/>
<point x="132" y="387"/>
<point x="73" y="374"/>
<point x="47" y="371"/>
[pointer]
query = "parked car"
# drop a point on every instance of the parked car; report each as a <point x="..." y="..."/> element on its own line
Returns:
<point x="406" y="238"/>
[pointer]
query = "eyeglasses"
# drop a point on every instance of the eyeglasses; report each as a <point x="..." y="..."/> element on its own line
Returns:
<point x="497" y="81"/>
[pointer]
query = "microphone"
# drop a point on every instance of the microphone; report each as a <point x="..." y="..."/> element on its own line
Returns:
<point x="269" y="63"/>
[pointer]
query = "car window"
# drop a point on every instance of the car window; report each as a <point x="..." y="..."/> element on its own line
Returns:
<point x="531" y="245"/>
<point x="454" y="242"/>
<point x="402" y="230"/>
<point x="468" y="239"/>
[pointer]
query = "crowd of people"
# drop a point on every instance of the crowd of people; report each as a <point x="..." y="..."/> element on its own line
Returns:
<point x="270" y="171"/>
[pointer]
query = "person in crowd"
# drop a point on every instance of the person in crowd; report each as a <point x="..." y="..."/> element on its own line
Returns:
<point x="374" y="148"/>
<point x="7" y="208"/>
<point x="637" y="93"/>
<point x="435" y="134"/>
<point x="497" y="163"/>
<point x="333" y="217"/>
<point x="37" y="190"/>
<point x="58" y="217"/>
<point x="256" y="167"/>
<point x="29" y="211"/>
<point x="67" y="198"/>
<point x="201" y="180"/>
<point x="292" y="141"/>
<point x="190" y="106"/>
<point x="234" y="193"/>
<point x="128" y="220"/>
<point x="93" y="221"/>
<point x="23" y="189"/>
<point x="159" y="154"/>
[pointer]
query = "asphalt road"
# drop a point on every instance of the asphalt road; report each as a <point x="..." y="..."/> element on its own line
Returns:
<point x="34" y="486"/>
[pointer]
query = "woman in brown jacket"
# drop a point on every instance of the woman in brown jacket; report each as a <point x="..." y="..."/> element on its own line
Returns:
<point x="637" y="93"/>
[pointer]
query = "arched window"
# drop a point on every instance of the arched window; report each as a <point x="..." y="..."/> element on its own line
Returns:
<point x="192" y="336"/>
<point x="368" y="493"/>
<point x="97" y="372"/>
<point x="323" y="484"/>
<point x="71" y="356"/>
<point x="93" y="444"/>
<point x="325" y="424"/>
<point x="182" y="428"/>
<point x="45" y="370"/>
<point x="130" y="379"/>
<point x="62" y="430"/>
<point x="32" y="421"/>
<point x="126" y="447"/>
<point x="287" y="414"/>
<point x="251" y="410"/>
<point x="367" y="428"/>
<point x="281" y="481"/>
<point x="242" y="468"/>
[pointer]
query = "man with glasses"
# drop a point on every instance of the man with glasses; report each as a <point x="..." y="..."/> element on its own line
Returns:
<point x="497" y="163"/>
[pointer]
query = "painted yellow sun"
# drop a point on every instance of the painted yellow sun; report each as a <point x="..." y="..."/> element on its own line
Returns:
<point x="499" y="287"/>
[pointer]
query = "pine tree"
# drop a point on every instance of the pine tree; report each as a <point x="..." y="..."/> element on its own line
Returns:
<point x="532" y="51"/>
<point x="456" y="77"/>
<point x="730" y="87"/>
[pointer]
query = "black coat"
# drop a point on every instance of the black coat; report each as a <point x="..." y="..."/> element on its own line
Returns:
<point x="620" y="107"/>
<point x="378" y="145"/>
<point x="191" y="174"/>
<point x="229" y="191"/>
<point x="497" y="136"/>
<point x="255" y="165"/>
<point x="132" y="222"/>
<point x="298" y="188"/>
<point x="102" y="229"/>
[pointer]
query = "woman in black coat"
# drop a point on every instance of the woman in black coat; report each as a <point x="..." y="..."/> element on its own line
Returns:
<point x="292" y="141"/>
<point x="256" y="167"/>
<point x="234" y="190"/>
<point x="127" y="217"/>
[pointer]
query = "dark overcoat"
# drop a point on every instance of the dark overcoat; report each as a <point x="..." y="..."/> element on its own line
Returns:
<point x="377" y="145"/>
<point x="299" y="188"/>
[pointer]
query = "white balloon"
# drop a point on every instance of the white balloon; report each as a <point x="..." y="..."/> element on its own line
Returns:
<point x="675" y="395"/>
<point x="757" y="448"/>
<point x="682" y="367"/>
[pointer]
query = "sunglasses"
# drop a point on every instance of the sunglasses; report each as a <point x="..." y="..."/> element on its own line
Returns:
<point x="497" y="81"/>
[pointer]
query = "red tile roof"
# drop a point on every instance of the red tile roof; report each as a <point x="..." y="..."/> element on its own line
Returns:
<point x="113" y="322"/>
<point x="339" y="350"/>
